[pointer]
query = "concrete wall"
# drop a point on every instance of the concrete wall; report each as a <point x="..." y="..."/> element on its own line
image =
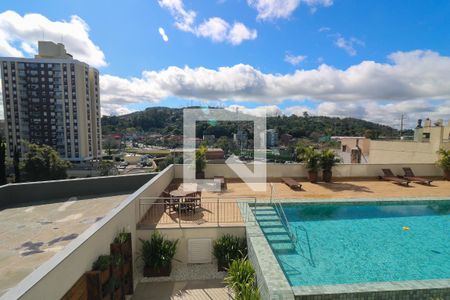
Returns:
<point x="17" y="193"/>
<point x="402" y="152"/>
<point x="339" y="171"/>
<point x="184" y="234"/>
<point x="55" y="277"/>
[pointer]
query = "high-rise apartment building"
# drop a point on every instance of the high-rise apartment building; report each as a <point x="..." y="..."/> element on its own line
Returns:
<point x="52" y="99"/>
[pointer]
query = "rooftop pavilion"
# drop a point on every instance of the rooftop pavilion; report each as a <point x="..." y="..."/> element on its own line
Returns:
<point x="87" y="224"/>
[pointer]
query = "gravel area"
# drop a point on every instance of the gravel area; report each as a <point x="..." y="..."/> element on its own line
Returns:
<point x="185" y="272"/>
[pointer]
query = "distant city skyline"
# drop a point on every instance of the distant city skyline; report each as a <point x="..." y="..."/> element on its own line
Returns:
<point x="374" y="61"/>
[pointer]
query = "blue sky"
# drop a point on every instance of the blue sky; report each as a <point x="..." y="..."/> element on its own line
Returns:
<point x="322" y="39"/>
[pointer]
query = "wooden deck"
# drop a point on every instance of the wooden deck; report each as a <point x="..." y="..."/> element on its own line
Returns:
<point x="225" y="212"/>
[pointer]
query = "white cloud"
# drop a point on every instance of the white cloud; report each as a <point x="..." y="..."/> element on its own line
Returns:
<point x="184" y="19"/>
<point x="348" y="44"/>
<point x="19" y="36"/>
<point x="384" y="113"/>
<point x="410" y="76"/>
<point x="215" y="28"/>
<point x="163" y="34"/>
<point x="259" y="111"/>
<point x="110" y="109"/>
<point x="280" y="9"/>
<point x="294" y="59"/>
<point x="218" y="30"/>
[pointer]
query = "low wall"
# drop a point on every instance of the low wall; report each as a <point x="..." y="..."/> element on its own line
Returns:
<point x="402" y="151"/>
<point x="17" y="193"/>
<point x="55" y="277"/>
<point x="339" y="171"/>
<point x="184" y="234"/>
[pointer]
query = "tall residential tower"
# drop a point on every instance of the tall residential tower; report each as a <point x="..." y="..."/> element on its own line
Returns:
<point x="52" y="99"/>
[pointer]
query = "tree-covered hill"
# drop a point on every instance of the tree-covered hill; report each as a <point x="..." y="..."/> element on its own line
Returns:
<point x="166" y="120"/>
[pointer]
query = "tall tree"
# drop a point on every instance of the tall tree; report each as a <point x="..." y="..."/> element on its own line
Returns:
<point x="16" y="165"/>
<point x="42" y="162"/>
<point x="2" y="162"/>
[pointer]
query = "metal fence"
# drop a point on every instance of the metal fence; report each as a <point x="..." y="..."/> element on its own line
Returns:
<point x="190" y="211"/>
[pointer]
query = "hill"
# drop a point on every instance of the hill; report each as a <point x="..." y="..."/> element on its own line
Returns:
<point x="167" y="121"/>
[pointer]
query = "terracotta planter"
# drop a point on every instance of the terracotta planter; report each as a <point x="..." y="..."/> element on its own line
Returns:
<point x="163" y="271"/>
<point x="104" y="276"/>
<point x="447" y="174"/>
<point x="125" y="248"/>
<point x="117" y="295"/>
<point x="313" y="176"/>
<point x="126" y="268"/>
<point x="116" y="249"/>
<point x="200" y="175"/>
<point x="117" y="272"/>
<point x="327" y="175"/>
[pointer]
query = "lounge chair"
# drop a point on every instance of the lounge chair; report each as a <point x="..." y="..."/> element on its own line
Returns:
<point x="409" y="174"/>
<point x="293" y="184"/>
<point x="389" y="176"/>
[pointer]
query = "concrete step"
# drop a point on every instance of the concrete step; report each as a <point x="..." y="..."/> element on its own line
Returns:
<point x="266" y="224"/>
<point x="278" y="238"/>
<point x="282" y="246"/>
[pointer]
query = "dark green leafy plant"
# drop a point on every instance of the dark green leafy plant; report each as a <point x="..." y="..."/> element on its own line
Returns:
<point x="228" y="248"/>
<point x="158" y="252"/>
<point x="310" y="156"/>
<point x="102" y="263"/>
<point x="122" y="237"/>
<point x="444" y="160"/>
<point x="241" y="279"/>
<point x="328" y="159"/>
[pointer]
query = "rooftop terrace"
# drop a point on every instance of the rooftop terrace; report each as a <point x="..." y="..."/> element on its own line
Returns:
<point x="222" y="209"/>
<point x="33" y="233"/>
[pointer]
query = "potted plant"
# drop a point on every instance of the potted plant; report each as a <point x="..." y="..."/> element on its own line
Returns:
<point x="311" y="157"/>
<point x="117" y="266"/>
<point x="241" y="278"/>
<point x="228" y="248"/>
<point x="122" y="243"/>
<point x="328" y="160"/>
<point x="444" y="162"/>
<point x="157" y="254"/>
<point x="200" y="162"/>
<point x="103" y="265"/>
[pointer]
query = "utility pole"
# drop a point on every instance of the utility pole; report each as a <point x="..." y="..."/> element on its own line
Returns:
<point x="401" y="126"/>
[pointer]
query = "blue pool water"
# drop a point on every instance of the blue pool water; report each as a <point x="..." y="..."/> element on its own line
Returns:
<point x="345" y="244"/>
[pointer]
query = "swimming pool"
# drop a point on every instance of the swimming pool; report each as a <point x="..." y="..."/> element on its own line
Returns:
<point x="351" y="243"/>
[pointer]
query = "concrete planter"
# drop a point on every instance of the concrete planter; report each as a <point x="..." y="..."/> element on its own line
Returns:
<point x="163" y="271"/>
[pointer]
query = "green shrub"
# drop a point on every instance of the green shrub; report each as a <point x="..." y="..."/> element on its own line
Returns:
<point x="102" y="263"/>
<point x="444" y="160"/>
<point x="241" y="279"/>
<point x="158" y="252"/>
<point x="122" y="237"/>
<point x="229" y="248"/>
<point x="328" y="159"/>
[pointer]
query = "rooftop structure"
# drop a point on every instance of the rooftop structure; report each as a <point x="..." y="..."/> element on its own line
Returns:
<point x="428" y="139"/>
<point x="52" y="99"/>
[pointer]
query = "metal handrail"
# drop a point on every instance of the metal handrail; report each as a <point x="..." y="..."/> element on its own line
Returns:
<point x="286" y="223"/>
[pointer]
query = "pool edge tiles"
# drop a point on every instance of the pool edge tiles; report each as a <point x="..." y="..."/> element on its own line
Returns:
<point x="271" y="280"/>
<point x="415" y="289"/>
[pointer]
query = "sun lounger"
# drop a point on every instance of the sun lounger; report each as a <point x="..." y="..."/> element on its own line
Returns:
<point x="389" y="176"/>
<point x="409" y="174"/>
<point x="293" y="184"/>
